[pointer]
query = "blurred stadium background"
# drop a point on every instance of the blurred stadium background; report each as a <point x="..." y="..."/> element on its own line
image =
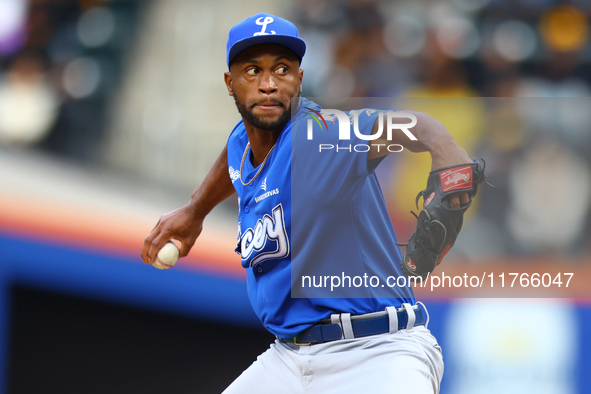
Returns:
<point x="111" y="113"/>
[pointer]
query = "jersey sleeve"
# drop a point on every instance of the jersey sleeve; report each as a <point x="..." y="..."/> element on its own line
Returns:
<point x="235" y="145"/>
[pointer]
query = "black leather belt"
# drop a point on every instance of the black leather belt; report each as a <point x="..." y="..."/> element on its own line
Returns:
<point x="362" y="327"/>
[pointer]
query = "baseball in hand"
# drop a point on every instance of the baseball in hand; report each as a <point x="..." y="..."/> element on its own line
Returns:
<point x="167" y="256"/>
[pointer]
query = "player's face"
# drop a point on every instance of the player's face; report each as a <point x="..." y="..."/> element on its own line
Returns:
<point x="263" y="79"/>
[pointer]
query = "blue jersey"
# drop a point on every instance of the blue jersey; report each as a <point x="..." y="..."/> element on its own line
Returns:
<point x="313" y="214"/>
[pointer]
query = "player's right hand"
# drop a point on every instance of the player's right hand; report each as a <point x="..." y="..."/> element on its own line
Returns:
<point x="182" y="224"/>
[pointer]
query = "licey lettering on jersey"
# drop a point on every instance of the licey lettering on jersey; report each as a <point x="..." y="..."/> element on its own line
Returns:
<point x="267" y="240"/>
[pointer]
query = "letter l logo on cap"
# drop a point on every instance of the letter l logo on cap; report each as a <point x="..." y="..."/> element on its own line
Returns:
<point x="264" y="23"/>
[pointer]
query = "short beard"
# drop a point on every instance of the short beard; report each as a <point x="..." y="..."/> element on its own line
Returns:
<point x="260" y="123"/>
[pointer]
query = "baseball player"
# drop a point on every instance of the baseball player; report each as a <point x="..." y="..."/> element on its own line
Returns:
<point x="324" y="345"/>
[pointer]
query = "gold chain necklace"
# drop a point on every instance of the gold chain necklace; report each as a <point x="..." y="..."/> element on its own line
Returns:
<point x="260" y="167"/>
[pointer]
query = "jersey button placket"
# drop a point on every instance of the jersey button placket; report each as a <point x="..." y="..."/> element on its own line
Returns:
<point x="246" y="209"/>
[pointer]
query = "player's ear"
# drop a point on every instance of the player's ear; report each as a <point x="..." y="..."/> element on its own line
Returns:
<point x="228" y="81"/>
<point x="301" y="78"/>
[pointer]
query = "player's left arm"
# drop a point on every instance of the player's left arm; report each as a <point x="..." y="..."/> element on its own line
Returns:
<point x="431" y="136"/>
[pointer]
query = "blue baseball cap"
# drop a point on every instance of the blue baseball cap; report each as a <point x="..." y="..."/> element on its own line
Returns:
<point x="261" y="29"/>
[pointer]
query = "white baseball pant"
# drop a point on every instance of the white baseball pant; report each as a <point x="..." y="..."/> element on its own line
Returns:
<point x="405" y="362"/>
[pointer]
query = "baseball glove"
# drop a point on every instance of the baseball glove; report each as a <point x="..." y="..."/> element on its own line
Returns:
<point x="438" y="225"/>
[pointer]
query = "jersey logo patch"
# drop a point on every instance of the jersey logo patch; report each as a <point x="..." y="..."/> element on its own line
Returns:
<point x="234" y="174"/>
<point x="267" y="194"/>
